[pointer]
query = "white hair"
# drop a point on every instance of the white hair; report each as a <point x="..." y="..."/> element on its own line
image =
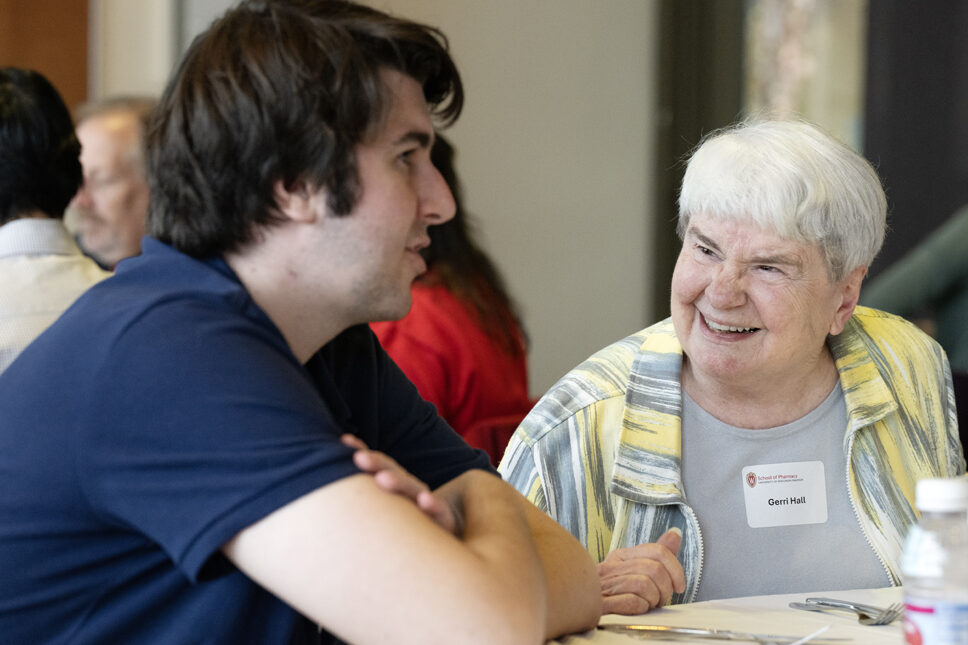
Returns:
<point x="792" y="178"/>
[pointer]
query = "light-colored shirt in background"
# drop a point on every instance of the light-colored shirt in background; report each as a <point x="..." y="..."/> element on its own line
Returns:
<point x="43" y="273"/>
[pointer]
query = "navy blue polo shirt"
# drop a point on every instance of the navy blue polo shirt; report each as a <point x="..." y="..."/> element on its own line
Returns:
<point x="158" y="417"/>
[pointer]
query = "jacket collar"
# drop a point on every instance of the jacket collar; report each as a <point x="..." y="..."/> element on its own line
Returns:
<point x="649" y="455"/>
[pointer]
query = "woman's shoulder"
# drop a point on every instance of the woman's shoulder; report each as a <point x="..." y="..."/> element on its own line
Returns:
<point x="892" y="336"/>
<point x="606" y="373"/>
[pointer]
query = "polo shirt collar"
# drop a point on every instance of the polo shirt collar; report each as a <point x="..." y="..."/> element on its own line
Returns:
<point x="36" y="236"/>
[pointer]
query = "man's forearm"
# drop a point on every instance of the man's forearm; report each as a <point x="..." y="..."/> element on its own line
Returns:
<point x="574" y="591"/>
<point x="484" y="587"/>
<point x="496" y="528"/>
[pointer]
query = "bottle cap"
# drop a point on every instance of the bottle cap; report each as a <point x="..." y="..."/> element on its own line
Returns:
<point x="950" y="494"/>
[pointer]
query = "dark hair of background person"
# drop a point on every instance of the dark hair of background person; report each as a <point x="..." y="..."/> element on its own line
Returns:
<point x="455" y="261"/>
<point x="40" y="168"/>
<point x="279" y="90"/>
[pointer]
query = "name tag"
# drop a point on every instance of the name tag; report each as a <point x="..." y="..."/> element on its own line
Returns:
<point x="785" y="494"/>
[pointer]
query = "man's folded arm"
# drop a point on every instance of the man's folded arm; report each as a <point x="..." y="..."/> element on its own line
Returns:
<point x="370" y="567"/>
<point x="574" y="590"/>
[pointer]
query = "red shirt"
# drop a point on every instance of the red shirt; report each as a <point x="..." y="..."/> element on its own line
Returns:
<point x="479" y="388"/>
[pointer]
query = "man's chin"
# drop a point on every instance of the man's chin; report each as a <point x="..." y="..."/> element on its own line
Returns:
<point x="396" y="311"/>
<point x="104" y="259"/>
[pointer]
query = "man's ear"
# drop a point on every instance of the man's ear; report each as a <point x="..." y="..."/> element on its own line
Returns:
<point x="849" y="293"/>
<point x="297" y="202"/>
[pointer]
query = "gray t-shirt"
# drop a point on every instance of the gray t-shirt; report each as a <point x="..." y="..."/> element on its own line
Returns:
<point x="743" y="561"/>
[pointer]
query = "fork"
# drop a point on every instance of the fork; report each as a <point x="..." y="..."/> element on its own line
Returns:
<point x="881" y="616"/>
<point x="866" y="615"/>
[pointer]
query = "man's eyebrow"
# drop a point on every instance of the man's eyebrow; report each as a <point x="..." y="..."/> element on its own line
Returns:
<point x="423" y="139"/>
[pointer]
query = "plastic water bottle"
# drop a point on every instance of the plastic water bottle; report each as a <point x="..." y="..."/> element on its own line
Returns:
<point x="935" y="565"/>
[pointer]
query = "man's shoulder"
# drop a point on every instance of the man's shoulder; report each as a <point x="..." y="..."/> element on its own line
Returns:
<point x="162" y="270"/>
<point x="152" y="313"/>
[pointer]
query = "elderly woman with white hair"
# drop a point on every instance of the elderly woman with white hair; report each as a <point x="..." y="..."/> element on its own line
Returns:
<point x="766" y="438"/>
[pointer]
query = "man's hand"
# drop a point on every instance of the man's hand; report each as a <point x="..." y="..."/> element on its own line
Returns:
<point x="639" y="578"/>
<point x="393" y="478"/>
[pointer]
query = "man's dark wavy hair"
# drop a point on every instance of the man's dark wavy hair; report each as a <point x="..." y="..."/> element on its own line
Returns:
<point x="279" y="90"/>
<point x="40" y="167"/>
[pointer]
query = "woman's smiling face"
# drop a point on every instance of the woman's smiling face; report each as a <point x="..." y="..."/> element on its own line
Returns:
<point x="751" y="308"/>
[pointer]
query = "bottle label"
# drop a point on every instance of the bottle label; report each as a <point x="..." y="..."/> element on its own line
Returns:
<point x="934" y="622"/>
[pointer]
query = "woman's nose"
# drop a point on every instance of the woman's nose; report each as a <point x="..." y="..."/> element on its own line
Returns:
<point x="726" y="289"/>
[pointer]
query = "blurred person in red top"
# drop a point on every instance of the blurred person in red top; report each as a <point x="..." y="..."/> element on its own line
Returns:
<point x="462" y="343"/>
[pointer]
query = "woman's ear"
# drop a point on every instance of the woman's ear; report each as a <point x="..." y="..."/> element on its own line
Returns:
<point x="298" y="202"/>
<point x="850" y="294"/>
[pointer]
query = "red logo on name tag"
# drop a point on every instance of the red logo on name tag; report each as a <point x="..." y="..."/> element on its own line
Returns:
<point x="751" y="479"/>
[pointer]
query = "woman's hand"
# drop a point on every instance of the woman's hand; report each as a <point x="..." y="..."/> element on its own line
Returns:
<point x="640" y="578"/>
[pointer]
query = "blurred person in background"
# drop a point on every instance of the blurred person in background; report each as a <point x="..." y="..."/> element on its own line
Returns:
<point x="462" y="343"/>
<point x="41" y="269"/>
<point x="108" y="213"/>
<point x="727" y="450"/>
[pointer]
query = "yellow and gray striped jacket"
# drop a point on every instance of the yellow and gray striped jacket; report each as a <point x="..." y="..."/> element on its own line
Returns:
<point x="600" y="452"/>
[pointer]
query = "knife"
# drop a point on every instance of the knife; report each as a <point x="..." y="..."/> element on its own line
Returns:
<point x="664" y="632"/>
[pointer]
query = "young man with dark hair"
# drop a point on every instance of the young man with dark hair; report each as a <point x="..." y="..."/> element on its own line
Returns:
<point x="231" y="457"/>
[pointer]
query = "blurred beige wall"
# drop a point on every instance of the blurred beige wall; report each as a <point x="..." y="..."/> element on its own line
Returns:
<point x="555" y="151"/>
<point x="132" y="46"/>
<point x="555" y="145"/>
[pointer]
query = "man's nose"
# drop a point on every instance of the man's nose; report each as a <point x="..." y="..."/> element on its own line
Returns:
<point x="82" y="198"/>
<point x="437" y="203"/>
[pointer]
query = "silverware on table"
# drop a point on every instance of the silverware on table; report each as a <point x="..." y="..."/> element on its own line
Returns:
<point x="866" y="614"/>
<point x="664" y="632"/>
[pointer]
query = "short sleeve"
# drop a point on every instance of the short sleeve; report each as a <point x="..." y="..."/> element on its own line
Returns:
<point x="214" y="425"/>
